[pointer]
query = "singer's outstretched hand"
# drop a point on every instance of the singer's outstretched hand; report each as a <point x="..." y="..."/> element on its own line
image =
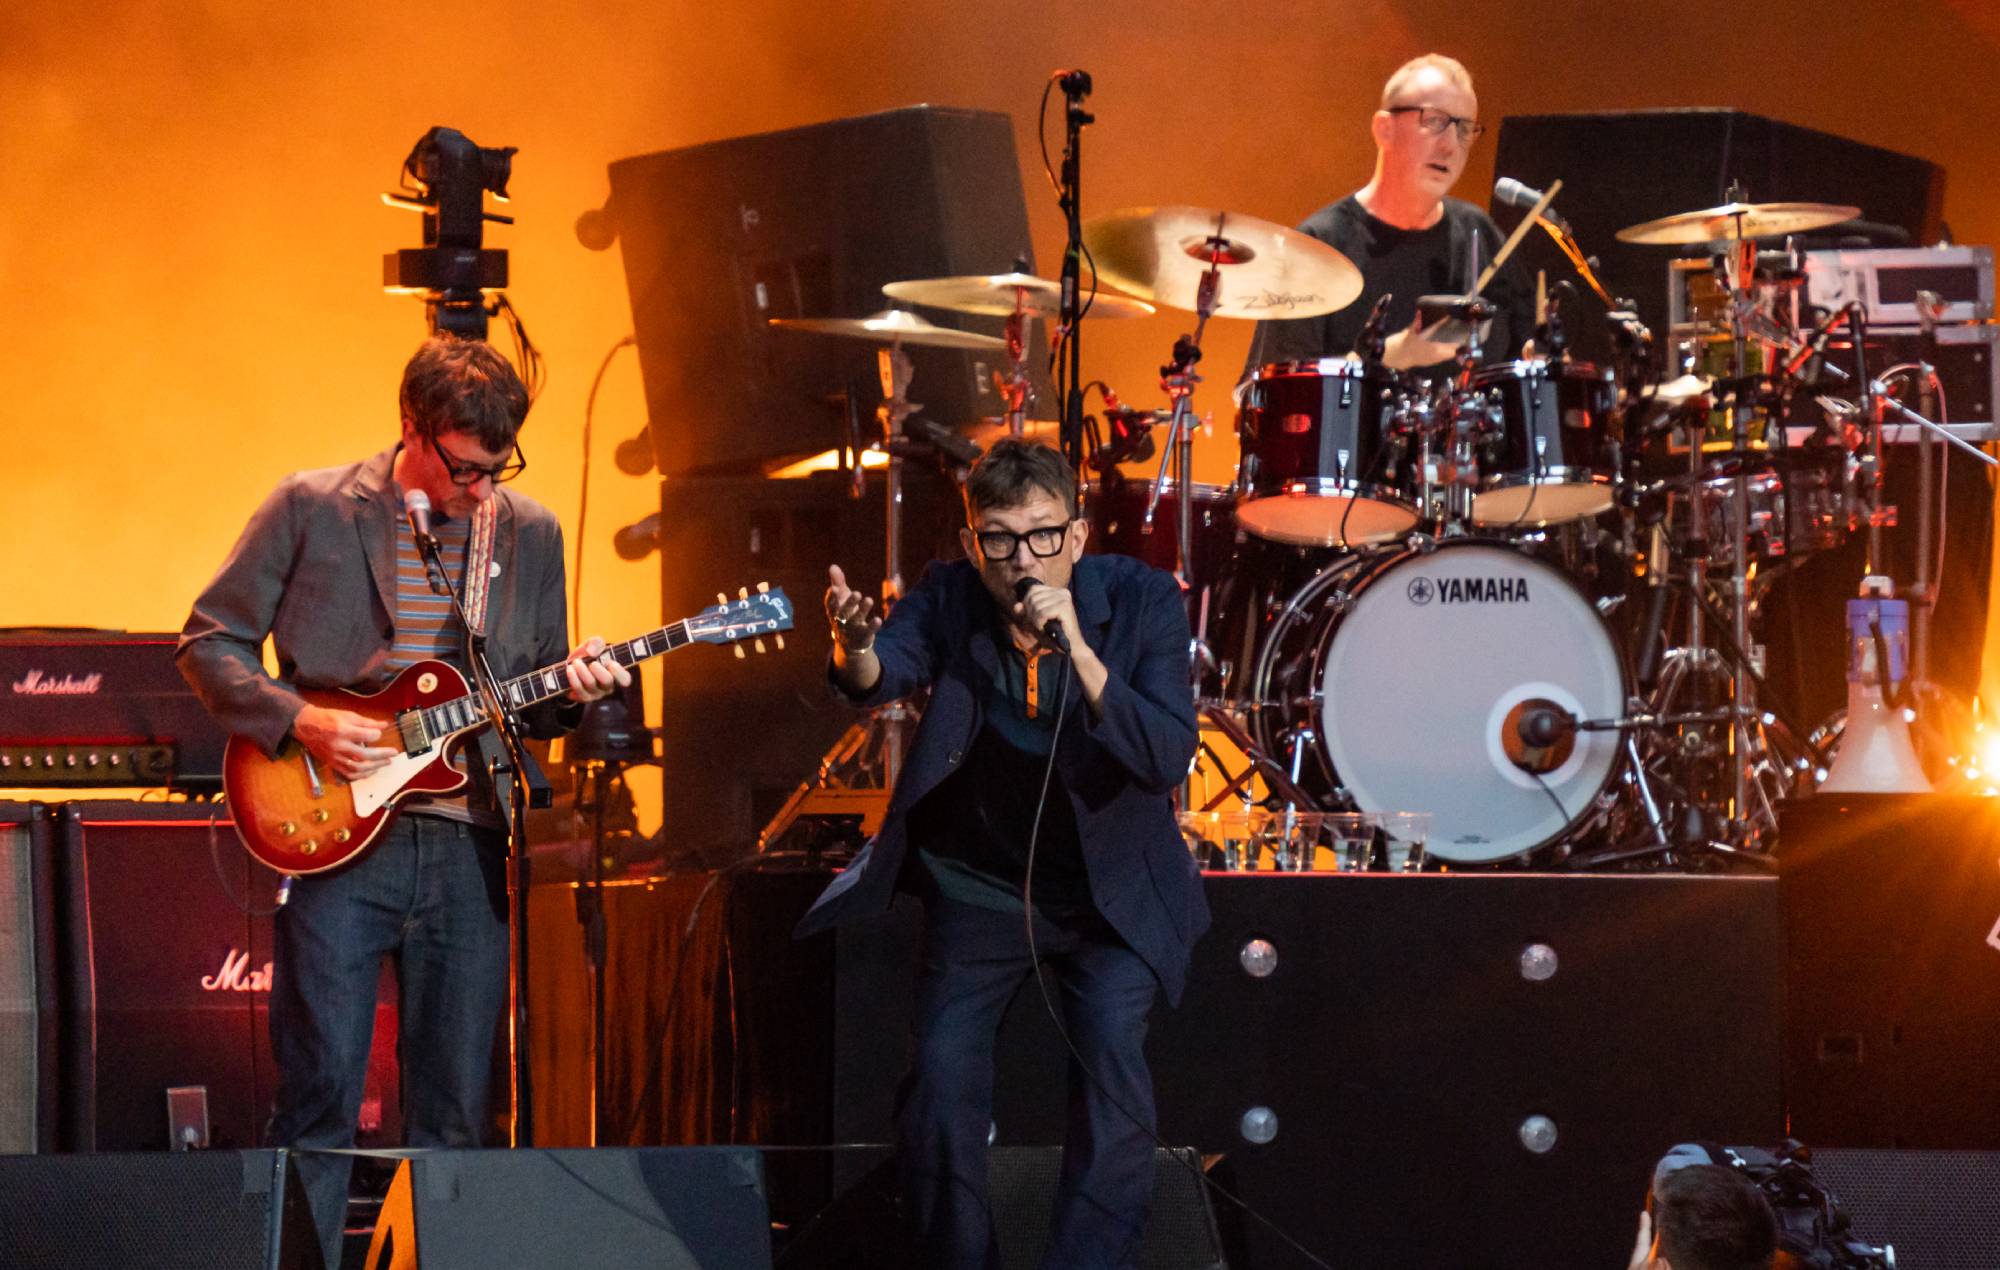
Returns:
<point x="850" y="613"/>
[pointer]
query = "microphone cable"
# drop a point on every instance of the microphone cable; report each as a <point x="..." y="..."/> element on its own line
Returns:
<point x="1055" y="1016"/>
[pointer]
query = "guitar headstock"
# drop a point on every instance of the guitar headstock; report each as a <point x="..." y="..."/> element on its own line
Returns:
<point x="750" y="616"/>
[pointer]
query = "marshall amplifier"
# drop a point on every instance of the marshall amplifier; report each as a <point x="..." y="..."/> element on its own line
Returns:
<point x="165" y="977"/>
<point x="101" y="709"/>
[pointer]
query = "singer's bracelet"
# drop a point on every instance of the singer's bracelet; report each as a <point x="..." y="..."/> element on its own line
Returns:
<point x="853" y="652"/>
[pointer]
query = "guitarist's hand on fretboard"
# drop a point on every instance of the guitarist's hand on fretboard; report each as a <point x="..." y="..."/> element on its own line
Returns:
<point x="593" y="673"/>
<point x="340" y="741"/>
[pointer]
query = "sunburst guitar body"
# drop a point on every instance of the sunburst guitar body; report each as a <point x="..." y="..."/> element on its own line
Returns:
<point x="294" y="815"/>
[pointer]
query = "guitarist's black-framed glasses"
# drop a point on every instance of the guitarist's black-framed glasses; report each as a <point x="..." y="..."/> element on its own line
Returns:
<point x="465" y="475"/>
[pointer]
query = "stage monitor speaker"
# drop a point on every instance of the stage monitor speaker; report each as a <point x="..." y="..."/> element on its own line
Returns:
<point x="1940" y="1209"/>
<point x="27" y="979"/>
<point x="166" y="971"/>
<point x="739" y="736"/>
<point x="1620" y="168"/>
<point x="184" y="1210"/>
<point x="861" y="1227"/>
<point x="678" y="1208"/>
<point x="1892" y="924"/>
<point x="811" y="222"/>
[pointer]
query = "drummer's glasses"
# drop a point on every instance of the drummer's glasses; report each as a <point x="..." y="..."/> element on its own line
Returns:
<point x="1434" y="121"/>
<point x="1043" y="542"/>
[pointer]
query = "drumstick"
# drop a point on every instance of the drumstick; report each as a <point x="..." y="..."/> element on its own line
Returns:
<point x="1514" y="239"/>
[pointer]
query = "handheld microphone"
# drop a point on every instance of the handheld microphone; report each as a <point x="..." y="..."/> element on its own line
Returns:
<point x="417" y="506"/>
<point x="1514" y="194"/>
<point x="1052" y="629"/>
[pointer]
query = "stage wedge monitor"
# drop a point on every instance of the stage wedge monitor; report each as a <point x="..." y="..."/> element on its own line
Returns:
<point x="811" y="222"/>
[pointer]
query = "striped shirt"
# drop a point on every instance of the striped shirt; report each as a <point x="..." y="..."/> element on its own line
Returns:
<point x="427" y="629"/>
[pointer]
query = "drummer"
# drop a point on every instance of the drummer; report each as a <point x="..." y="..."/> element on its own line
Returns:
<point x="1404" y="233"/>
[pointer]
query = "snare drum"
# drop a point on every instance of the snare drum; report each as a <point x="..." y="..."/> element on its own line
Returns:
<point x="1319" y="468"/>
<point x="1551" y="463"/>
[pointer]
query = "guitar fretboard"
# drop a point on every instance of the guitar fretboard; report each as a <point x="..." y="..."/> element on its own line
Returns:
<point x="460" y="714"/>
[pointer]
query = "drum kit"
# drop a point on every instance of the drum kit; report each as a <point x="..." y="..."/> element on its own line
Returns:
<point x="1521" y="597"/>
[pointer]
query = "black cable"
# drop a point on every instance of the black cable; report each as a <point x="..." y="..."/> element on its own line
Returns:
<point x="1561" y="810"/>
<point x="1055" y="1016"/>
<point x="215" y="861"/>
<point x="583" y="493"/>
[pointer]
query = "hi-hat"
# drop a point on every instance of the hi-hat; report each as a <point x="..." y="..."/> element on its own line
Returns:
<point x="997" y="294"/>
<point x="1266" y="270"/>
<point x="894" y="326"/>
<point x="1736" y="221"/>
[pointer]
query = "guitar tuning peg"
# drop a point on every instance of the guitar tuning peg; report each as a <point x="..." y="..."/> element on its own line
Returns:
<point x="743" y="593"/>
<point x="760" y="646"/>
<point x="780" y="641"/>
<point x="722" y="597"/>
<point x="763" y="588"/>
<point x="740" y="654"/>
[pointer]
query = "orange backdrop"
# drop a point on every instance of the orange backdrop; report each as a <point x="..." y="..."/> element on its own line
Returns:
<point x="190" y="232"/>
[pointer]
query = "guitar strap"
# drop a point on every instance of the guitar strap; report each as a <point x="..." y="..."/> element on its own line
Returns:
<point x="479" y="563"/>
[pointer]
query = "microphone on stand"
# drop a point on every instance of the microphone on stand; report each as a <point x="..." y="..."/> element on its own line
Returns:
<point x="417" y="506"/>
<point x="1052" y="629"/>
<point x="1368" y="341"/>
<point x="1514" y="194"/>
<point x="1817" y="344"/>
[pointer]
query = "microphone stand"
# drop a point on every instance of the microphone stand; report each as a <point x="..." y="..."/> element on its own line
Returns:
<point x="526" y="786"/>
<point x="1069" y="368"/>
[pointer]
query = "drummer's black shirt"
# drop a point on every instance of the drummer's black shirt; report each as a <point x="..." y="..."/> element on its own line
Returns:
<point x="1405" y="263"/>
<point x="972" y="830"/>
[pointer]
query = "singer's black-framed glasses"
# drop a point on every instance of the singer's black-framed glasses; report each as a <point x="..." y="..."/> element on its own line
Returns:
<point x="1043" y="541"/>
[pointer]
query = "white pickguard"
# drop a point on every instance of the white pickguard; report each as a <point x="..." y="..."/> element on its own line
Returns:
<point x="373" y="791"/>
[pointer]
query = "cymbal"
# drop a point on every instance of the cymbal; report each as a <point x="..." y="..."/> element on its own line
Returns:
<point x="986" y="431"/>
<point x="894" y="326"/>
<point x="1735" y="221"/>
<point x="1266" y="270"/>
<point x="994" y="294"/>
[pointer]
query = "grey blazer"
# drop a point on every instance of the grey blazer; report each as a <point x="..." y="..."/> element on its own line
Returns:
<point x="315" y="569"/>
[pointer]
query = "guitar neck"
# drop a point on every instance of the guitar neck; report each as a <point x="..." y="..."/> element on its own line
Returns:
<point x="462" y="714"/>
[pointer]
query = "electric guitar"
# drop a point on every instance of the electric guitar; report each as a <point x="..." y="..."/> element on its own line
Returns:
<point x="298" y="817"/>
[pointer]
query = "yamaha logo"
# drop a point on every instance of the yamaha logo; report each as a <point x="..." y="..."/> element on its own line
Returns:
<point x="1468" y="590"/>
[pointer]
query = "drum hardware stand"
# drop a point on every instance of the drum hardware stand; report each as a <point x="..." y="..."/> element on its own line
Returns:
<point x="869" y="754"/>
<point x="1075" y="86"/>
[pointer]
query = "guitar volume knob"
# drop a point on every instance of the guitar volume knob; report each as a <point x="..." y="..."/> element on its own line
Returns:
<point x="286" y="829"/>
<point x="309" y="846"/>
<point x="341" y="835"/>
<point x="319" y="815"/>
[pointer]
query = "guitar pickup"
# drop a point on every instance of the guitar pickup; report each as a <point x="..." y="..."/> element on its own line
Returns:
<point x="410" y="728"/>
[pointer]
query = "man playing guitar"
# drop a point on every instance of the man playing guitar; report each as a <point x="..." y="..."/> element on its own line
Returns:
<point x="328" y="569"/>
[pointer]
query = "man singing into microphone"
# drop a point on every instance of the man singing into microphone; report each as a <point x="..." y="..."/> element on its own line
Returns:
<point x="1037" y="792"/>
<point x="1408" y="238"/>
<point x="328" y="569"/>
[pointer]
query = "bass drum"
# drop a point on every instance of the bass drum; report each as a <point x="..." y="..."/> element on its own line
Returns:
<point x="1412" y="672"/>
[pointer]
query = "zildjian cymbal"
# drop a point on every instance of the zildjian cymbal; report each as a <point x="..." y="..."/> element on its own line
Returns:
<point x="1264" y="270"/>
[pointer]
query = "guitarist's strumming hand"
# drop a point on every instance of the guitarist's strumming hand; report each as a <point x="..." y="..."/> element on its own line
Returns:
<point x="340" y="740"/>
<point x="594" y="673"/>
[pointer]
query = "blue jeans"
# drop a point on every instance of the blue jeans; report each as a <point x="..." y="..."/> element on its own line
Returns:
<point x="432" y="895"/>
<point x="971" y="962"/>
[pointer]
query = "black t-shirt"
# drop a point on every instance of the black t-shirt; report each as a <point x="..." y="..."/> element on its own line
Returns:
<point x="972" y="830"/>
<point x="1405" y="263"/>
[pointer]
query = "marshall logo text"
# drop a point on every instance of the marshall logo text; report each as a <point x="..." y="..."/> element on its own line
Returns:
<point x="37" y="683"/>
<point x="236" y="975"/>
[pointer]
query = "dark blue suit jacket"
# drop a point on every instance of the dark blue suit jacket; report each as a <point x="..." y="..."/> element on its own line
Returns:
<point x="1119" y="769"/>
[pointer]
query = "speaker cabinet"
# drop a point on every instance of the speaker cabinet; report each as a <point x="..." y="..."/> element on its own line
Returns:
<point x="720" y="238"/>
<point x="862" y="1227"/>
<point x="678" y="1208"/>
<point x="27" y="979"/>
<point x="1936" y="1207"/>
<point x="740" y="736"/>
<point x="1892" y="916"/>
<point x="166" y="955"/>
<point x="189" y="1210"/>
